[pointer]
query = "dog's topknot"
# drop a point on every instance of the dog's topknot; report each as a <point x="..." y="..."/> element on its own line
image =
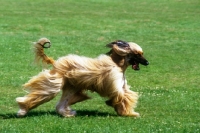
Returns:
<point x="135" y="48"/>
<point x="119" y="43"/>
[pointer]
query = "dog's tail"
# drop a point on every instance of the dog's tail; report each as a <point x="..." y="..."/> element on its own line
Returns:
<point x="39" y="51"/>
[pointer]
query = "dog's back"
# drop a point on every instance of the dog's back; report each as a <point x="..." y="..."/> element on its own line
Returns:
<point x="88" y="73"/>
<point x="81" y="63"/>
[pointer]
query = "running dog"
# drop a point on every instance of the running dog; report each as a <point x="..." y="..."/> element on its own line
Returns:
<point x="74" y="75"/>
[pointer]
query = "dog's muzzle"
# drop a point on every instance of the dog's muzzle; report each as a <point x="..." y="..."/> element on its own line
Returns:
<point x="135" y="64"/>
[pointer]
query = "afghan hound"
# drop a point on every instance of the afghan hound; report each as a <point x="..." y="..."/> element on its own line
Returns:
<point x="74" y="75"/>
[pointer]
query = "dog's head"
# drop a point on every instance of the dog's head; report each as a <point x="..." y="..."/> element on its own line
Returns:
<point x="131" y="52"/>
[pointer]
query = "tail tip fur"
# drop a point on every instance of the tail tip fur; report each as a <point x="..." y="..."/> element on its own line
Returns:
<point x="43" y="40"/>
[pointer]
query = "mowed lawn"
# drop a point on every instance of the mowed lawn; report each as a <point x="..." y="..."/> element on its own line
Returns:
<point x="169" y="88"/>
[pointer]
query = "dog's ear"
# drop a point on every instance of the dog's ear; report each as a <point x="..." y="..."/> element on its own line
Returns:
<point x="120" y="47"/>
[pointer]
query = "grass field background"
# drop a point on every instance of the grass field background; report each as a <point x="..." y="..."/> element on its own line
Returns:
<point x="167" y="30"/>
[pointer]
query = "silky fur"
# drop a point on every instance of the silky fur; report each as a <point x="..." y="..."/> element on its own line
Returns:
<point x="74" y="75"/>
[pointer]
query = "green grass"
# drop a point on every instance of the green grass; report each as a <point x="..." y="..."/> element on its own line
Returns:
<point x="167" y="30"/>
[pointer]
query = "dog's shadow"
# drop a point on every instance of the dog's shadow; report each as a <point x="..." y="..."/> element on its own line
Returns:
<point x="80" y="113"/>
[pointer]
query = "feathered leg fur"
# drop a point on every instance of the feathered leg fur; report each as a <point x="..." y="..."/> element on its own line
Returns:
<point x="42" y="88"/>
<point x="125" y="103"/>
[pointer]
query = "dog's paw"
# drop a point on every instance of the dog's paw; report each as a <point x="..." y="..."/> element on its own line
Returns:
<point x="21" y="113"/>
<point x="66" y="113"/>
<point x="70" y="113"/>
<point x="135" y="114"/>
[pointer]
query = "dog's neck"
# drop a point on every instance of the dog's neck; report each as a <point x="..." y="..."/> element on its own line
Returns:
<point x="119" y="60"/>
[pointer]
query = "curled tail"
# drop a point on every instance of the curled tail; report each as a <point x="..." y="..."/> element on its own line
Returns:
<point x="39" y="51"/>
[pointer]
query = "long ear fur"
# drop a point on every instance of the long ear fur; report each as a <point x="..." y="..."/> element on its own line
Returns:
<point x="39" y="51"/>
<point x="122" y="48"/>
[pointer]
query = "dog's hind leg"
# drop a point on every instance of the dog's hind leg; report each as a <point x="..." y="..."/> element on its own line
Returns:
<point x="69" y="97"/>
<point x="42" y="88"/>
<point x="63" y="107"/>
<point x="78" y="97"/>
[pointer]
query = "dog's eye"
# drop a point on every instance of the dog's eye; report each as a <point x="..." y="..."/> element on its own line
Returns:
<point x="138" y="55"/>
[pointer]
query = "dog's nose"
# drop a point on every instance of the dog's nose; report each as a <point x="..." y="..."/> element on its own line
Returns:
<point x="147" y="63"/>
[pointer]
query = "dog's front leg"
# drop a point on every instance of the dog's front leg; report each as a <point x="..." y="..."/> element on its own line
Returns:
<point x="124" y="102"/>
<point x="127" y="104"/>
